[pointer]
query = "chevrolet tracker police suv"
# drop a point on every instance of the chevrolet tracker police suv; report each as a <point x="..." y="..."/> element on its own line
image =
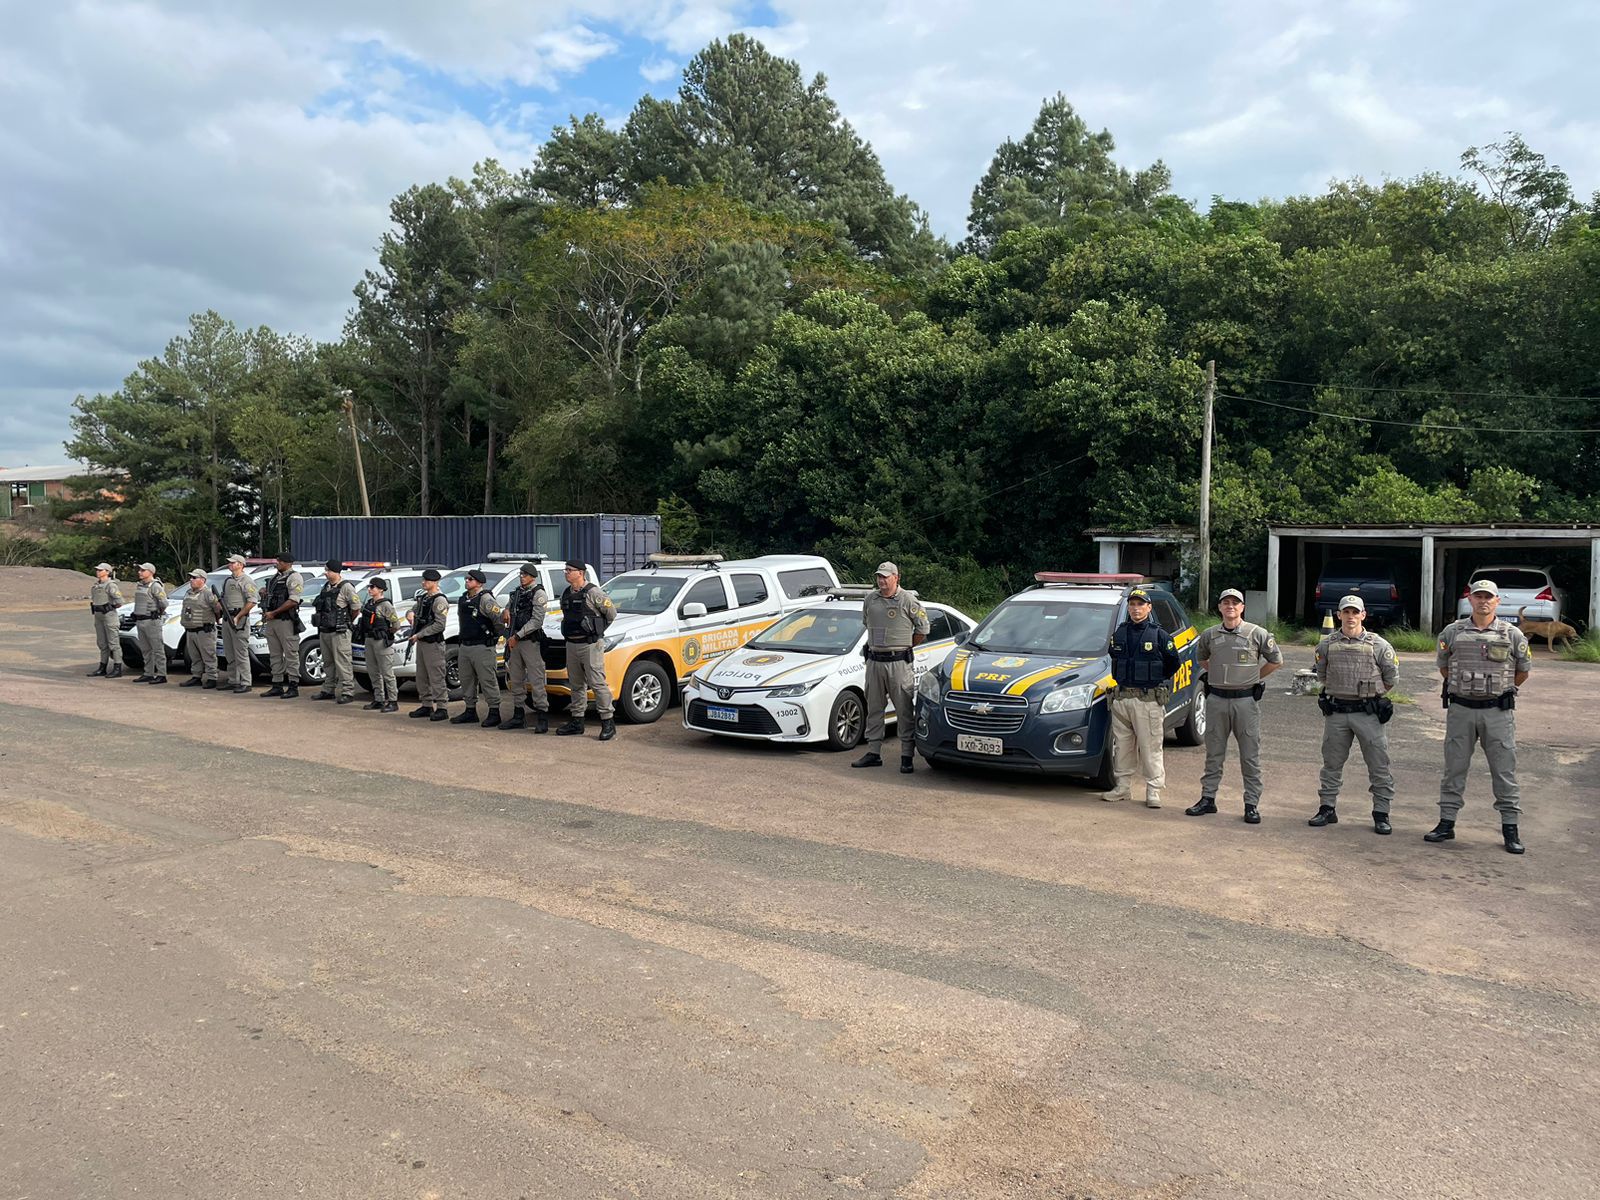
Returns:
<point x="680" y="613"/>
<point x="1027" y="689"/>
<point x="803" y="679"/>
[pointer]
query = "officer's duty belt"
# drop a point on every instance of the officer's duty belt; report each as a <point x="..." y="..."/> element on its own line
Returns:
<point x="200" y="629"/>
<point x="1506" y="700"/>
<point x="1347" y="706"/>
<point x="1133" y="693"/>
<point x="102" y="608"/>
<point x="1232" y="693"/>
<point x="890" y="655"/>
<point x="145" y="616"/>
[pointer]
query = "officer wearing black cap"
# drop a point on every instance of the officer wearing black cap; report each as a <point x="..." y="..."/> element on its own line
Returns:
<point x="586" y="613"/>
<point x="280" y="613"/>
<point x="1143" y="659"/>
<point x="336" y="609"/>
<point x="377" y="626"/>
<point x="480" y="634"/>
<point x="429" y="616"/>
<point x="524" y="617"/>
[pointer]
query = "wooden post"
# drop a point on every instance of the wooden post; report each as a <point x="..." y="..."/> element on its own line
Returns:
<point x="1594" y="583"/>
<point x="1205" y="493"/>
<point x="355" y="440"/>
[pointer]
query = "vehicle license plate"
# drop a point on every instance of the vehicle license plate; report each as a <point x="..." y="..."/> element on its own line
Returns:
<point x="722" y="714"/>
<point x="979" y="745"/>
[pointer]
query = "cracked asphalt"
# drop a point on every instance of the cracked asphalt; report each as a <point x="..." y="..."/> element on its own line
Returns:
<point x="260" y="949"/>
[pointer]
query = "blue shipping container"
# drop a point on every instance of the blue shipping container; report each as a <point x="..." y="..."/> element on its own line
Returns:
<point x="613" y="543"/>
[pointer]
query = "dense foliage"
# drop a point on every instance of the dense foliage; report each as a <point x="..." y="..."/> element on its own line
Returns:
<point x="723" y="313"/>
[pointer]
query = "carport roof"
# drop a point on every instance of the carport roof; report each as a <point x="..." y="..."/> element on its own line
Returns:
<point x="1497" y="529"/>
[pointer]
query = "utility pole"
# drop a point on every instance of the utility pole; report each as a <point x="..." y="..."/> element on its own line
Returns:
<point x="355" y="440"/>
<point x="1205" y="489"/>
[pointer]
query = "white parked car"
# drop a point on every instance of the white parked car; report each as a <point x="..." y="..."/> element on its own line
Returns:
<point x="1525" y="592"/>
<point x="803" y="678"/>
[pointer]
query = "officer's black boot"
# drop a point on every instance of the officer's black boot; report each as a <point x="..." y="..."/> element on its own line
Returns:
<point x="573" y="728"/>
<point x="275" y="690"/>
<point x="492" y="720"/>
<point x="1509" y="832"/>
<point x="519" y="719"/>
<point x="115" y="672"/>
<point x="1252" y="815"/>
<point x="422" y="710"/>
<point x="390" y="706"/>
<point x="608" y="729"/>
<point x="192" y="681"/>
<point x="1201" y="807"/>
<point x="906" y="765"/>
<point x="1444" y="831"/>
<point x="375" y="705"/>
<point x="541" y="722"/>
<point x="291" y="691"/>
<point x="1380" y="822"/>
<point x="144" y="678"/>
<point x="440" y="714"/>
<point x="1325" y="816"/>
<point x="211" y="684"/>
<point x="100" y="670"/>
<point x="870" y="759"/>
<point x="467" y="716"/>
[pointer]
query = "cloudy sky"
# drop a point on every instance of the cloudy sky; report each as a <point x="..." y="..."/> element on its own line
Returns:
<point x="158" y="159"/>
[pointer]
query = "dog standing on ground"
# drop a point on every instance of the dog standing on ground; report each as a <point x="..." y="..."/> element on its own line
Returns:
<point x="1551" y="631"/>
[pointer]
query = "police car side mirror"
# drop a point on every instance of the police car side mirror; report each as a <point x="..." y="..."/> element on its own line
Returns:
<point x="693" y="609"/>
<point x="961" y="638"/>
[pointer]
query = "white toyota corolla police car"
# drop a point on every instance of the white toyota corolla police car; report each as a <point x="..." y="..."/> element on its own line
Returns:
<point x="803" y="679"/>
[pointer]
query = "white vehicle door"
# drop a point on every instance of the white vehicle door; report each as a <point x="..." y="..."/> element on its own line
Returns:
<point x="712" y="592"/>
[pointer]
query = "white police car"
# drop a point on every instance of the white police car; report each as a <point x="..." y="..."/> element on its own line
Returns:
<point x="803" y="678"/>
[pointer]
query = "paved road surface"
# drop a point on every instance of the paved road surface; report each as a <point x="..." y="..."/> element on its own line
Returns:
<point x="259" y="950"/>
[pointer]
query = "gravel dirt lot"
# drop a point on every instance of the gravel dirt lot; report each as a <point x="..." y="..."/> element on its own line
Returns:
<point x="255" y="949"/>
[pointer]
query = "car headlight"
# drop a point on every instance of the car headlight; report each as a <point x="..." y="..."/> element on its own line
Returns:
<point x="928" y="687"/>
<point x="794" y="689"/>
<point x="1069" y="699"/>
<point x="612" y="642"/>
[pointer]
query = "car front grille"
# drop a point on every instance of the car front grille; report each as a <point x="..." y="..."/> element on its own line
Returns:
<point x="982" y="712"/>
<point x="752" y="718"/>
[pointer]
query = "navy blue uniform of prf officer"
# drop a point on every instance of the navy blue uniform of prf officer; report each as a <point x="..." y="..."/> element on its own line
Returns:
<point x="1143" y="659"/>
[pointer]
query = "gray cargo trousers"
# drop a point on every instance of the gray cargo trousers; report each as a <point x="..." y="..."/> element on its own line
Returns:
<point x="890" y="683"/>
<point x="1241" y="720"/>
<point x="1338" y="732"/>
<point x="1496" y="728"/>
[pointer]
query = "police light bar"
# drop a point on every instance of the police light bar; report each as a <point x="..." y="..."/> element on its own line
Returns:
<point x="1080" y="577"/>
<point x="684" y="560"/>
<point x="506" y="556"/>
<point x="850" y="591"/>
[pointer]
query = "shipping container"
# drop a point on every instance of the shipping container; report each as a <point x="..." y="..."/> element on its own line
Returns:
<point x="613" y="543"/>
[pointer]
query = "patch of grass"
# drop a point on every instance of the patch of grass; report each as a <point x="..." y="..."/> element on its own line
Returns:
<point x="1410" y="641"/>
<point x="1292" y="635"/>
<point x="1585" y="649"/>
<point x="1402" y="697"/>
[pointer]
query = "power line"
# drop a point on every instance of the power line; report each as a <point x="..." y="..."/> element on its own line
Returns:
<point x="1318" y="412"/>
<point x="1357" y="387"/>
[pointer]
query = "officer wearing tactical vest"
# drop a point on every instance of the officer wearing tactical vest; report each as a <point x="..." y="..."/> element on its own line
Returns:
<point x="586" y="613"/>
<point x="428" y="622"/>
<point x="239" y="599"/>
<point x="149" y="614"/>
<point x="1484" y="660"/>
<point x="480" y="634"/>
<point x="280" y="604"/>
<point x="335" y="611"/>
<point x="1143" y="659"/>
<point x="198" y="616"/>
<point x="524" y="652"/>
<point x="105" y="597"/>
<point x="376" y="626"/>
<point x="1357" y="669"/>
<point x="895" y="621"/>
<point x="1234" y="658"/>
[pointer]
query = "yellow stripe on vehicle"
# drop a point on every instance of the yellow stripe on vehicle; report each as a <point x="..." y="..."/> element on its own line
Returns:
<point x="958" y="672"/>
<point x="1179" y="641"/>
<point x="1023" y="682"/>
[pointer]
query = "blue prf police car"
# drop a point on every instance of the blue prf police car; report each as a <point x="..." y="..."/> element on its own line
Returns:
<point x="1028" y="688"/>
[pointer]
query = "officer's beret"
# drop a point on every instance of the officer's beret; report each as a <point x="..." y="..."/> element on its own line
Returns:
<point x="379" y="583"/>
<point x="333" y="564"/>
<point x="531" y="571"/>
<point x="478" y="575"/>
<point x="285" y="557"/>
<point x="431" y="575"/>
<point x="575" y="566"/>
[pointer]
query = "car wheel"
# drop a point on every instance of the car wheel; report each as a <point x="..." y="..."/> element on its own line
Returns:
<point x="133" y="656"/>
<point x="452" y="673"/>
<point x="847" y="720"/>
<point x="646" y="692"/>
<point x="1193" y="730"/>
<point x="313" y="670"/>
<point x="1105" y="778"/>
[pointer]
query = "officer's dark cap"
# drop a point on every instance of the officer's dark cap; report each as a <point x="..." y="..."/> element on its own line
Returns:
<point x="333" y="564"/>
<point x="531" y="571"/>
<point x="381" y="584"/>
<point x="1138" y="594"/>
<point x="478" y="575"/>
<point x="575" y="566"/>
<point x="285" y="557"/>
<point x="431" y="575"/>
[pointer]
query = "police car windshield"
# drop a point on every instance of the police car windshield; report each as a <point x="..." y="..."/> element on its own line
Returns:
<point x="1053" y="627"/>
<point x="812" y="631"/>
<point x="644" y="592"/>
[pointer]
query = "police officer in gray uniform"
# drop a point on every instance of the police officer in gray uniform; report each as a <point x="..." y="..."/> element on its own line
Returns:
<point x="198" y="616"/>
<point x="378" y="623"/>
<point x="895" y="621"/>
<point x="586" y="613"/>
<point x="480" y="622"/>
<point x="428" y="617"/>
<point x="1235" y="656"/>
<point x="336" y="609"/>
<point x="1357" y="670"/>
<point x="239" y="599"/>
<point x="1484" y="660"/>
<point x="149" y="614"/>
<point x="280" y="605"/>
<point x="105" y="597"/>
<point x="524" y="618"/>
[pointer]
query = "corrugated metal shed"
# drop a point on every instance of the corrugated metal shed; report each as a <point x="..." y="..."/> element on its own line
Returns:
<point x="612" y="542"/>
